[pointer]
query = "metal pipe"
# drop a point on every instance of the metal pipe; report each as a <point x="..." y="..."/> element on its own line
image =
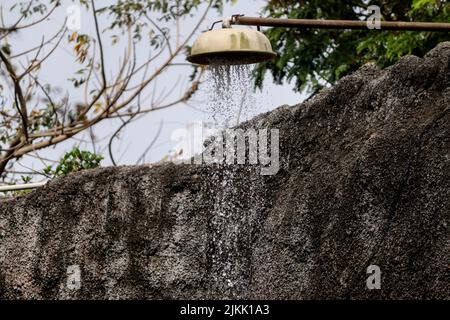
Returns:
<point x="338" y="24"/>
<point x="18" y="187"/>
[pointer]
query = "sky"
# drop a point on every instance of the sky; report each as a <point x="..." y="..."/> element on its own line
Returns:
<point x="158" y="127"/>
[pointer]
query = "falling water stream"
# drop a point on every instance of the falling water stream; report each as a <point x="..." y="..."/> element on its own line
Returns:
<point x="230" y="100"/>
<point x="231" y="96"/>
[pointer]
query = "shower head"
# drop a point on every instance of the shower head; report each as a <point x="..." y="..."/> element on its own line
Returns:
<point x="229" y="46"/>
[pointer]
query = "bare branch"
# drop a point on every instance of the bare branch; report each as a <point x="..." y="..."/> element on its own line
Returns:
<point x="158" y="133"/>
<point x="16" y="26"/>
<point x="39" y="46"/>
<point x="18" y="94"/>
<point x="99" y="39"/>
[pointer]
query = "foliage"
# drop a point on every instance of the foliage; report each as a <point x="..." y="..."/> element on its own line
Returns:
<point x="131" y="12"/>
<point x="314" y="58"/>
<point x="73" y="161"/>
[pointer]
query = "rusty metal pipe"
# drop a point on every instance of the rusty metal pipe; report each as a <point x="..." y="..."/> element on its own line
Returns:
<point x="338" y="24"/>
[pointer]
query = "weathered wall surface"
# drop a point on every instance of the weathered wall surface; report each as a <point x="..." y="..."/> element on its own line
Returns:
<point x="365" y="179"/>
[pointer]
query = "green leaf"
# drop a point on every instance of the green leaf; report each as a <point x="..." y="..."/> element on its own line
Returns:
<point x="73" y="161"/>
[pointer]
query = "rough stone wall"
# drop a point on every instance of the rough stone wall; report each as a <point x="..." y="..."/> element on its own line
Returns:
<point x="364" y="179"/>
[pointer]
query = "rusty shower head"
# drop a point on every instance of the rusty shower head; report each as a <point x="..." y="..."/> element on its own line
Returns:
<point x="229" y="46"/>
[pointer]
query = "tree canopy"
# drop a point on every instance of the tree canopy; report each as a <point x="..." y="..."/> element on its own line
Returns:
<point x="315" y="58"/>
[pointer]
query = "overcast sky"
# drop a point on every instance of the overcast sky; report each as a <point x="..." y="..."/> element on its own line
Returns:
<point x="137" y="136"/>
